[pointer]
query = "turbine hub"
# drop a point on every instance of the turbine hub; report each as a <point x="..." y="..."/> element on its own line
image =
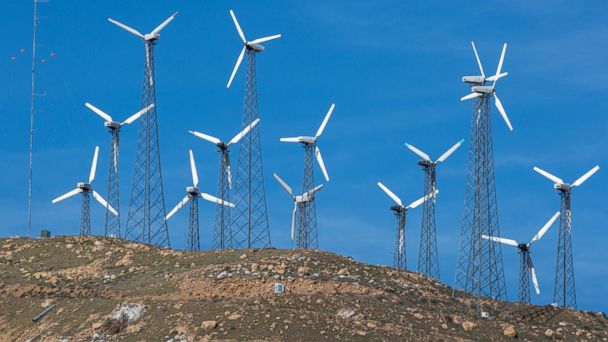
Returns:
<point x="192" y="190"/>
<point x="84" y="186"/>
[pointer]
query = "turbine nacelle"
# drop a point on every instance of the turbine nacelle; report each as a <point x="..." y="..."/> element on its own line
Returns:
<point x="474" y="79"/>
<point x="84" y="186"/>
<point x="151" y="36"/>
<point x="562" y="187"/>
<point x="524" y="247"/>
<point x="397" y="209"/>
<point x="112" y="125"/>
<point x="483" y="89"/>
<point x="255" y="47"/>
<point x="193" y="190"/>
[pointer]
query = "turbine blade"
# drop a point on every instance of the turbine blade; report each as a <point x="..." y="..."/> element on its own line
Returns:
<point x="177" y="207"/>
<point x="265" y="39"/>
<point x="390" y="194"/>
<point x="545" y="228"/>
<point x="204" y="136"/>
<point x="421" y="200"/>
<point x="502" y="58"/>
<point x="244" y="132"/>
<point x="291" y="139"/>
<point x="501" y="240"/>
<point x="216" y="200"/>
<point x="450" y="151"/>
<point x="94" y="165"/>
<point x="470" y="96"/>
<point x="496" y="77"/>
<point x="321" y="163"/>
<point x="324" y="123"/>
<point x="418" y="152"/>
<point x="137" y="115"/>
<point x="99" y="112"/>
<point x="164" y="23"/>
<point x="104" y="203"/>
<point x="501" y="109"/>
<point x="586" y="176"/>
<point x="193" y="170"/>
<point x="283" y="184"/>
<point x="293" y="220"/>
<point x="533" y="274"/>
<point x="478" y="60"/>
<point x="126" y="28"/>
<point x="236" y="66"/>
<point x="238" y="27"/>
<point x="551" y="177"/>
<point x="67" y="195"/>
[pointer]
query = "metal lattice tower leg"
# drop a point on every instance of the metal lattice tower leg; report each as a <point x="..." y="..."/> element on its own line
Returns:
<point x="146" y="221"/>
<point x="193" y="242"/>
<point x="523" y="292"/>
<point x="307" y="223"/>
<point x="428" y="260"/>
<point x="250" y="216"/>
<point x="479" y="269"/>
<point x="564" y="292"/>
<point x="112" y="225"/>
<point x="85" y="215"/>
<point x="222" y="234"/>
<point x="400" y="261"/>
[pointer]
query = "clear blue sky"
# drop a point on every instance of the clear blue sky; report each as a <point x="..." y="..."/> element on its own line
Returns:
<point x="393" y="68"/>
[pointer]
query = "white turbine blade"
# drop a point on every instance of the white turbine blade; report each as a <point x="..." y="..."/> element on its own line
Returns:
<point x="165" y="23"/>
<point x="390" y="194"/>
<point x="238" y="27"/>
<point x="533" y="274"/>
<point x="546" y="227"/>
<point x="283" y="184"/>
<point x="177" y="207"/>
<point x="244" y="132"/>
<point x="137" y="115"/>
<point x="265" y="39"/>
<point x="216" y="200"/>
<point x="478" y="60"/>
<point x="551" y="177"/>
<point x="421" y="200"/>
<point x="450" y="151"/>
<point x="315" y="189"/>
<point x="291" y="139"/>
<point x="99" y="112"/>
<point x="104" y="203"/>
<point x="324" y="123"/>
<point x="501" y="109"/>
<point x="497" y="77"/>
<point x="293" y="220"/>
<point x="321" y="163"/>
<point x="502" y="58"/>
<point x="204" y="136"/>
<point x="68" y="194"/>
<point x="236" y="66"/>
<point x="470" y="96"/>
<point x="418" y="152"/>
<point x="126" y="28"/>
<point x="501" y="240"/>
<point x="586" y="176"/>
<point x="193" y="170"/>
<point x="94" y="165"/>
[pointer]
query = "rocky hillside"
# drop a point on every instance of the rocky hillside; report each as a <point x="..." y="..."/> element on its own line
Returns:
<point x="110" y="290"/>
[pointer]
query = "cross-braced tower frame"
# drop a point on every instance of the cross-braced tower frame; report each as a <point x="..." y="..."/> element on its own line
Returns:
<point x="192" y="241"/>
<point x="428" y="260"/>
<point x="400" y="261"/>
<point x="112" y="222"/>
<point x="85" y="214"/>
<point x="523" y="290"/>
<point x="564" y="292"/>
<point x="222" y="232"/>
<point x="306" y="229"/>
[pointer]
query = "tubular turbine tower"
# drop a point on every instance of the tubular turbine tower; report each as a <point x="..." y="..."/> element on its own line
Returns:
<point x="146" y="220"/>
<point x="479" y="268"/>
<point x="250" y="220"/>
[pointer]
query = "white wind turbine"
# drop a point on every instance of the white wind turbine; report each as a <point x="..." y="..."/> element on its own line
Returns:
<point x="480" y="88"/>
<point x="192" y="195"/>
<point x="526" y="267"/>
<point x="86" y="188"/>
<point x="401" y="211"/>
<point x="299" y="201"/>
<point x="253" y="45"/>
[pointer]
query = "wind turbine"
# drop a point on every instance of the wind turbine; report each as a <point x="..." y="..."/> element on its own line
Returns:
<point x="526" y="267"/>
<point x="428" y="259"/>
<point x="112" y="224"/>
<point x="564" y="292"/>
<point x="400" y="212"/>
<point x="145" y="220"/>
<point x="222" y="238"/>
<point x="300" y="202"/>
<point x="192" y="195"/>
<point x="86" y="188"/>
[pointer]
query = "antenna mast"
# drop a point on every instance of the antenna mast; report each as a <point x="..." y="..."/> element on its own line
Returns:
<point x="32" y="114"/>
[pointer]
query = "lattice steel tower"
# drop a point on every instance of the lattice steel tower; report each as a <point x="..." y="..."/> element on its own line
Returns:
<point x="428" y="259"/>
<point x="307" y="219"/>
<point x="146" y="220"/>
<point x="479" y="268"/>
<point x="564" y="292"/>
<point x="250" y="217"/>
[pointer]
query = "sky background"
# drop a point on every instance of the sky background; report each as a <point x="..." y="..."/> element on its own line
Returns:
<point x="394" y="70"/>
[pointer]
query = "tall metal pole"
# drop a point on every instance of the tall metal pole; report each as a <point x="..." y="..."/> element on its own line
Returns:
<point x="222" y="232"/>
<point x="32" y="114"/>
